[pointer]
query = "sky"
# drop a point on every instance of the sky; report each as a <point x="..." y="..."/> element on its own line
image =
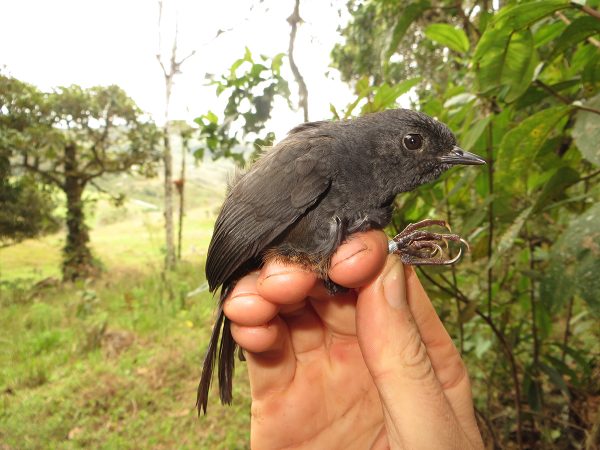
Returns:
<point x="101" y="42"/>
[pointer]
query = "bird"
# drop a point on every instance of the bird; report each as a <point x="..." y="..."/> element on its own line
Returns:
<point x="304" y="196"/>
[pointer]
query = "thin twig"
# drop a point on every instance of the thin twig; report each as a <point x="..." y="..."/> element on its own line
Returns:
<point x="459" y="318"/>
<point x="489" y="426"/>
<point x="567" y="329"/>
<point x="564" y="99"/>
<point x="589" y="10"/>
<point x="590" y="176"/>
<point x="490" y="242"/>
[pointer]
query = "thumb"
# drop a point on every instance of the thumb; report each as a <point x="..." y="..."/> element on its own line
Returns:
<point x="412" y="397"/>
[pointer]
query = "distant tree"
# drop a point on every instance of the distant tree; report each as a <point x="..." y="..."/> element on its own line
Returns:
<point x="67" y="139"/>
<point x="27" y="207"/>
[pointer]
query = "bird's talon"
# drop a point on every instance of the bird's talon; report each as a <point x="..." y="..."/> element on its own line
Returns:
<point x="419" y="247"/>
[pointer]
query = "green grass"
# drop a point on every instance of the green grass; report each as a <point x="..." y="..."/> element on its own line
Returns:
<point x="136" y="242"/>
<point x="114" y="363"/>
<point x="111" y="364"/>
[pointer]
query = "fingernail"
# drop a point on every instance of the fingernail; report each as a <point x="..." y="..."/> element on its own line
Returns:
<point x="348" y="249"/>
<point x="392" y="287"/>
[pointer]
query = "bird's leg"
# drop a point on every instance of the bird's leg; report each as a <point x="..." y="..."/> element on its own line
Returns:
<point x="420" y="247"/>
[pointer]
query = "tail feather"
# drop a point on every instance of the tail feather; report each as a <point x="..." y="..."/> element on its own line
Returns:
<point x="225" y="350"/>
<point x="226" y="363"/>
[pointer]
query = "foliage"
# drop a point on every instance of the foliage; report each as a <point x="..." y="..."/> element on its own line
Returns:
<point x="252" y="88"/>
<point x="67" y="139"/>
<point x="27" y="210"/>
<point x="519" y="85"/>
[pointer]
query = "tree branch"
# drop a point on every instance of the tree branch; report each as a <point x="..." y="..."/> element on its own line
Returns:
<point x="468" y="26"/>
<point x="99" y="188"/>
<point x="588" y="10"/>
<point x="46" y="175"/>
<point x="293" y="20"/>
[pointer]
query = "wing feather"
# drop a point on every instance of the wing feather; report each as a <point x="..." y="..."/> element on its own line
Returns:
<point x="264" y="202"/>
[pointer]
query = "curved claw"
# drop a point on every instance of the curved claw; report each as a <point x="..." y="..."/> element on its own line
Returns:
<point x="437" y="250"/>
<point x="455" y="259"/>
<point x="465" y="244"/>
<point x="460" y="252"/>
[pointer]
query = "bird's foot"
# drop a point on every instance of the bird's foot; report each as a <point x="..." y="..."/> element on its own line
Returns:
<point x="421" y="247"/>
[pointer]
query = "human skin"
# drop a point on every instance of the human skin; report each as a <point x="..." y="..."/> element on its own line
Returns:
<point x="371" y="368"/>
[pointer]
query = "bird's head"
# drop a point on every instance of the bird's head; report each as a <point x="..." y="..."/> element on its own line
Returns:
<point x="417" y="147"/>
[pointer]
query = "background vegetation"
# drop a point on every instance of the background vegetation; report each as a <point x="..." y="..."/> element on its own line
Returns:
<point x="113" y="361"/>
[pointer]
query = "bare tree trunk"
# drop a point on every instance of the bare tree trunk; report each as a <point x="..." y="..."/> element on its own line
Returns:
<point x="181" y="190"/>
<point x="293" y="20"/>
<point x="169" y="73"/>
<point x="168" y="188"/>
<point x="77" y="257"/>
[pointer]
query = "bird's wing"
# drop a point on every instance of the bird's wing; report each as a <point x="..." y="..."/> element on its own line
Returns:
<point x="275" y="193"/>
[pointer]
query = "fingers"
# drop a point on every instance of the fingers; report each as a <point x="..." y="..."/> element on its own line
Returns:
<point x="270" y="342"/>
<point x="359" y="259"/>
<point x="244" y="306"/>
<point x="390" y="337"/>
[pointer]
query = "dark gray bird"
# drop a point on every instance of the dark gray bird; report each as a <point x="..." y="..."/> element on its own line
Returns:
<point x="303" y="197"/>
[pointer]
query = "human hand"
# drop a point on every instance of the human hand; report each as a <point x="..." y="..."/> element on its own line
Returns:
<point x="369" y="368"/>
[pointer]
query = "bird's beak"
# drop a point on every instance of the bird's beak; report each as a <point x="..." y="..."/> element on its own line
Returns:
<point x="458" y="156"/>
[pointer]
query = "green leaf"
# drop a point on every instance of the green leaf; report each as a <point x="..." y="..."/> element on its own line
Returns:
<point x="334" y="112"/>
<point x="509" y="237"/>
<point x="459" y="100"/>
<point x="212" y="117"/>
<point x="575" y="264"/>
<point x="510" y="62"/>
<point x="247" y="55"/>
<point x="520" y="145"/>
<point x="475" y="132"/>
<point x="534" y="391"/>
<point x="548" y="32"/>
<point x="277" y="62"/>
<point x="519" y="65"/>
<point x="406" y="18"/>
<point x="519" y="16"/>
<point x="453" y="38"/>
<point x="558" y="183"/>
<point x="362" y="87"/>
<point x="508" y="40"/>
<point x="386" y="96"/>
<point x="591" y="72"/>
<point x="555" y="378"/>
<point x="579" y="30"/>
<point x="586" y="131"/>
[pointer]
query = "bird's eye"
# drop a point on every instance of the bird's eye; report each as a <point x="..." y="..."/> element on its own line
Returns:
<point x="413" y="141"/>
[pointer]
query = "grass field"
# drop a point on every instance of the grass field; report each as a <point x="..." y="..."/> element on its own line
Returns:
<point x="113" y="363"/>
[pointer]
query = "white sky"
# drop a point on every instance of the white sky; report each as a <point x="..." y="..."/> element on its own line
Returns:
<point x="100" y="42"/>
